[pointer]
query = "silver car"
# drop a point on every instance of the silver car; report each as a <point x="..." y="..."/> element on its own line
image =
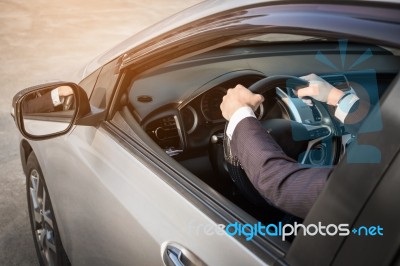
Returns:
<point x="125" y="162"/>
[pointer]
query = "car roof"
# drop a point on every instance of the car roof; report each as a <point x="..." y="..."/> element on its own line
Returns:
<point x="187" y="16"/>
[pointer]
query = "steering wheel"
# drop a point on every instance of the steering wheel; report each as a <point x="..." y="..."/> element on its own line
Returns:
<point x="296" y="138"/>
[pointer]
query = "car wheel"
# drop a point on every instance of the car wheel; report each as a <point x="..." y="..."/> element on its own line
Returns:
<point x="43" y="223"/>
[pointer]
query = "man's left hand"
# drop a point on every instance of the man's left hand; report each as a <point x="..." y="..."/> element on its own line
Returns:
<point x="239" y="97"/>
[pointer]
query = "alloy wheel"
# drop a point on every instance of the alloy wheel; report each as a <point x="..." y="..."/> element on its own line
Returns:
<point x="42" y="218"/>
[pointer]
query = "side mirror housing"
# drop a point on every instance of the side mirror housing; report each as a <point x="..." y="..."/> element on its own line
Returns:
<point x="49" y="110"/>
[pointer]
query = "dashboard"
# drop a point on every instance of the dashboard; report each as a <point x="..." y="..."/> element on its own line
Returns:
<point x="188" y="127"/>
<point x="179" y="105"/>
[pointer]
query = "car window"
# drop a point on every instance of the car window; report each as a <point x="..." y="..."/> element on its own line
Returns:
<point x="178" y="105"/>
<point x="269" y="54"/>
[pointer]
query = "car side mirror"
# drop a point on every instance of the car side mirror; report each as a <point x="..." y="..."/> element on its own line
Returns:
<point x="49" y="110"/>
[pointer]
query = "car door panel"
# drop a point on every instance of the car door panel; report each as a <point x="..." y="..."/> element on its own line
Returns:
<point x="381" y="207"/>
<point x="350" y="186"/>
<point x="116" y="209"/>
<point x="376" y="247"/>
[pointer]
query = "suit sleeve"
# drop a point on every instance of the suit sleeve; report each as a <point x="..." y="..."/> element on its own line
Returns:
<point x="277" y="177"/>
<point x="38" y="105"/>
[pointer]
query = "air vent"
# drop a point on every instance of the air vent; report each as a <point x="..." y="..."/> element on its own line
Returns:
<point x="165" y="132"/>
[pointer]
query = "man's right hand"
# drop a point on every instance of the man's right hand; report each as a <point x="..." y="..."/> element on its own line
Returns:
<point x="320" y="90"/>
<point x="239" y="97"/>
<point x="64" y="91"/>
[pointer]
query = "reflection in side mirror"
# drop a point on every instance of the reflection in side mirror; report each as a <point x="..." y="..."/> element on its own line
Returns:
<point x="48" y="110"/>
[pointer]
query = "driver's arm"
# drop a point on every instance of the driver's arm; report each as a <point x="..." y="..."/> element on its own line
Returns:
<point x="277" y="177"/>
<point x="349" y="108"/>
<point x="58" y="92"/>
<point x="48" y="101"/>
<point x="39" y="104"/>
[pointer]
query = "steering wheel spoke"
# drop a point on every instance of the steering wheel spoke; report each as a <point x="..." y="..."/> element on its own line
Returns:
<point x="316" y="135"/>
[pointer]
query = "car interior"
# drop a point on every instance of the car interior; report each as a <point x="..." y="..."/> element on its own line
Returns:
<point x="178" y="104"/>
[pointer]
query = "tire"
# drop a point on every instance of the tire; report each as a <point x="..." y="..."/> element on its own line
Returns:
<point x="45" y="233"/>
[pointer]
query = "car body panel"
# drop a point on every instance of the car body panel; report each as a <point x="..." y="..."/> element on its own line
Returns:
<point x="377" y="250"/>
<point x="105" y="209"/>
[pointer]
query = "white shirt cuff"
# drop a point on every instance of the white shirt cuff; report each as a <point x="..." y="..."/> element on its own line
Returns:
<point x="55" y="97"/>
<point x="345" y="105"/>
<point x="238" y="116"/>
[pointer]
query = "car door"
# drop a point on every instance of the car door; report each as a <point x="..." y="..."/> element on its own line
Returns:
<point x="377" y="240"/>
<point x="117" y="202"/>
<point x="116" y="207"/>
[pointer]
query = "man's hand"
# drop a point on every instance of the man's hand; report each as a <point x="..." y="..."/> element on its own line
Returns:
<point x="239" y="97"/>
<point x="320" y="90"/>
<point x="64" y="91"/>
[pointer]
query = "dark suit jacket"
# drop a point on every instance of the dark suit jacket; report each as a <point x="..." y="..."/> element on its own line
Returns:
<point x="38" y="105"/>
<point x="277" y="177"/>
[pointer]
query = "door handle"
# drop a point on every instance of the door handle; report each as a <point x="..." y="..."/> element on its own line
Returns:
<point x="174" y="254"/>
